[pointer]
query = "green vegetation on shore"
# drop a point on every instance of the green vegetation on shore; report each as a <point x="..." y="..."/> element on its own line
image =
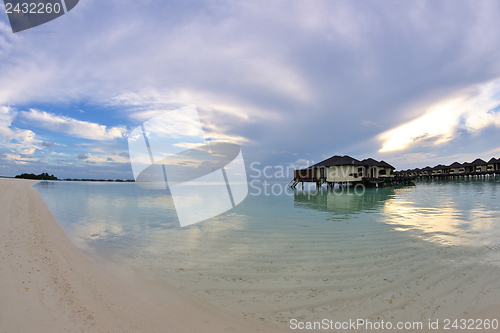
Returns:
<point x="46" y="176"/>
<point x="42" y="176"/>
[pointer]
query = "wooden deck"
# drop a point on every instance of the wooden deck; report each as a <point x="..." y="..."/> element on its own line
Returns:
<point x="367" y="182"/>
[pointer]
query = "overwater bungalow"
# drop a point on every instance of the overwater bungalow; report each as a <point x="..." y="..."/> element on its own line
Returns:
<point x="493" y="164"/>
<point x="427" y="171"/>
<point x="468" y="167"/>
<point x="334" y="169"/>
<point x="407" y="173"/>
<point x="376" y="169"/>
<point x="476" y="168"/>
<point x="456" y="168"/>
<point x="344" y="170"/>
<point x="440" y="169"/>
<point x="480" y="165"/>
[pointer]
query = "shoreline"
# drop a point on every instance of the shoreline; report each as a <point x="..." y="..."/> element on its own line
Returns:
<point x="48" y="285"/>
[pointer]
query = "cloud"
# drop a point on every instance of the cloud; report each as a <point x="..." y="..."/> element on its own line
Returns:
<point x="7" y="115"/>
<point x="187" y="145"/>
<point x="82" y="156"/>
<point x="313" y="79"/>
<point x="109" y="159"/>
<point x="9" y="132"/>
<point x="48" y="144"/>
<point x="471" y="110"/>
<point x="71" y="126"/>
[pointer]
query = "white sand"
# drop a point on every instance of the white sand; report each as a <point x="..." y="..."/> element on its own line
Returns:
<point x="47" y="285"/>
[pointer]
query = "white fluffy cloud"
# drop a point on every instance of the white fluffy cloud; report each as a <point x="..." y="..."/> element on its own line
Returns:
<point x="8" y="132"/>
<point x="71" y="126"/>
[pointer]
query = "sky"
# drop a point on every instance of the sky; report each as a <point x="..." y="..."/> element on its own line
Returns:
<point x="414" y="83"/>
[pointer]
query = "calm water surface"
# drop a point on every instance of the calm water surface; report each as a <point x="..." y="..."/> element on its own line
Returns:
<point x="302" y="253"/>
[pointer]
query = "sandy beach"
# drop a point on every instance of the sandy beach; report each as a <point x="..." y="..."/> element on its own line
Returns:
<point x="48" y="285"/>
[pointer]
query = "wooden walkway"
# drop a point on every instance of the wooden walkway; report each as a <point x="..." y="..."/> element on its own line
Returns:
<point x="367" y="182"/>
<point x="479" y="174"/>
<point x="396" y="180"/>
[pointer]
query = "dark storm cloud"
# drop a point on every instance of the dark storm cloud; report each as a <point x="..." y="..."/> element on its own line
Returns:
<point x="48" y="144"/>
<point x="82" y="156"/>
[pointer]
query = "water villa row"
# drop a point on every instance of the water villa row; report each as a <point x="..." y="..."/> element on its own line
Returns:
<point x="347" y="171"/>
<point x="476" y="168"/>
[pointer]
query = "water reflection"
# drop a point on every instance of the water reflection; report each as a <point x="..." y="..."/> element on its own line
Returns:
<point x="94" y="212"/>
<point x="344" y="201"/>
<point x="453" y="213"/>
<point x="457" y="213"/>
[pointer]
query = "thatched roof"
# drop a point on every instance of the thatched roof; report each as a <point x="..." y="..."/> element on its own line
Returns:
<point x="476" y="162"/>
<point x="479" y="161"/>
<point x="348" y="160"/>
<point x="337" y="161"/>
<point x="371" y="162"/>
<point x="386" y="165"/>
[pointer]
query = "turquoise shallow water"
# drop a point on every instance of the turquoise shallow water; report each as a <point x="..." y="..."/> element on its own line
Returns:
<point x="390" y="251"/>
<point x="112" y="215"/>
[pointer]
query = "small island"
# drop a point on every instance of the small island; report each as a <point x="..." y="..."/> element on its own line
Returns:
<point x="46" y="176"/>
<point x="42" y="176"/>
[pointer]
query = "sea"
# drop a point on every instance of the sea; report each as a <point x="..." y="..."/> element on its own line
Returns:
<point x="430" y="250"/>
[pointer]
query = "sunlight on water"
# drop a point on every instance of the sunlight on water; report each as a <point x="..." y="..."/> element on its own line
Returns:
<point x="452" y="213"/>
